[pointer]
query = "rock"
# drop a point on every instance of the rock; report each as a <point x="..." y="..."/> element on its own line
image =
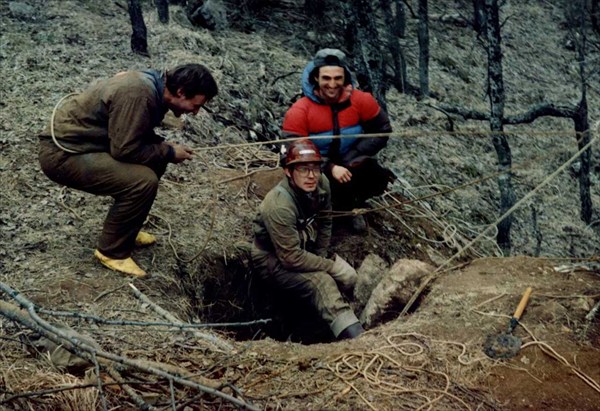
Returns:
<point x="21" y="11"/>
<point x="210" y="15"/>
<point x="370" y="272"/>
<point x="579" y="307"/>
<point x="394" y="290"/>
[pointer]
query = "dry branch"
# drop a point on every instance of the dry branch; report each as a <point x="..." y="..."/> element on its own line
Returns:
<point x="542" y="110"/>
<point x="212" y="339"/>
<point x="180" y="325"/>
<point x="593" y="312"/>
<point x="539" y="110"/>
<point x="82" y="349"/>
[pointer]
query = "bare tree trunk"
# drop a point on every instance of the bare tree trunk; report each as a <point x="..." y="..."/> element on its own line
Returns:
<point x="400" y="74"/>
<point x="496" y="95"/>
<point x="162" y="8"/>
<point x="582" y="125"/>
<point x="478" y="17"/>
<point x="139" y="42"/>
<point x="423" y="34"/>
<point x="595" y="15"/>
<point x="314" y="8"/>
<point x="400" y="20"/>
<point x="367" y="53"/>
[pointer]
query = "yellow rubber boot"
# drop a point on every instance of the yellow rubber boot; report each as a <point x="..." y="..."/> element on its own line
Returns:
<point x="125" y="266"/>
<point x="144" y="239"/>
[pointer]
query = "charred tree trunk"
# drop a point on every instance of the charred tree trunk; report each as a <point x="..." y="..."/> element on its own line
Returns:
<point x="595" y="15"/>
<point x="162" y="8"/>
<point x="582" y="125"/>
<point x="139" y="41"/>
<point x="478" y="17"/>
<point x="400" y="20"/>
<point x="496" y="96"/>
<point x="423" y="35"/>
<point x="316" y="12"/>
<point x="367" y="53"/>
<point x="400" y="75"/>
<point x="314" y="8"/>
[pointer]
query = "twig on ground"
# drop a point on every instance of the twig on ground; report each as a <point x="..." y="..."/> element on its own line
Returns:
<point x="100" y="320"/>
<point x="107" y="292"/>
<point x="70" y="387"/>
<point x="593" y="312"/>
<point x="132" y="394"/>
<point x="214" y="341"/>
<point x="99" y="380"/>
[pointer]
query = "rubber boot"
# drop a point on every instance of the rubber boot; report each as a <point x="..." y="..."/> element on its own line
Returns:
<point x="359" y="225"/>
<point x="352" y="331"/>
<point x="125" y="266"/>
<point x="144" y="239"/>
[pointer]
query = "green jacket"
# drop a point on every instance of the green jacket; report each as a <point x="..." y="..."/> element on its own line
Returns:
<point x="291" y="225"/>
<point x="118" y="116"/>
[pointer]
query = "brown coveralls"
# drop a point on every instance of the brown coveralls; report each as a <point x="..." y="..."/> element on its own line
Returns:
<point x="290" y="246"/>
<point x="110" y="126"/>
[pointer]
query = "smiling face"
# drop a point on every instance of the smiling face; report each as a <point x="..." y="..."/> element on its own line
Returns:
<point x="179" y="104"/>
<point x="331" y="82"/>
<point x="305" y="176"/>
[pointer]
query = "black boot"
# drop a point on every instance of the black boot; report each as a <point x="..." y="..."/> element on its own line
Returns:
<point x="352" y="331"/>
<point x="359" y="224"/>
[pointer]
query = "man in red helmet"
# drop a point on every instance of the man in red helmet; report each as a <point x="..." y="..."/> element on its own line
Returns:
<point x="331" y="106"/>
<point x="291" y="239"/>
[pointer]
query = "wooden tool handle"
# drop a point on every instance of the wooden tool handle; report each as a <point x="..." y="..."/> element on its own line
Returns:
<point x="522" y="304"/>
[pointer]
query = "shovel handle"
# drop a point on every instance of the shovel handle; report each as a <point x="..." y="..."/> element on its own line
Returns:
<point x="522" y="304"/>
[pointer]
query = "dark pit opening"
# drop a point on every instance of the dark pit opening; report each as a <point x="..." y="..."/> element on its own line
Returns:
<point x="230" y="293"/>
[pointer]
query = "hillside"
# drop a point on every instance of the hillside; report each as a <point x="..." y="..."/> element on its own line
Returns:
<point x="431" y="358"/>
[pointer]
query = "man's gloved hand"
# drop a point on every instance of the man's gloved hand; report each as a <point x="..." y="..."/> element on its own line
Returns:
<point x="343" y="273"/>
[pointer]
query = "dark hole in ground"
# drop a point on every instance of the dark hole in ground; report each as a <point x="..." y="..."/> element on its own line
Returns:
<point x="229" y="293"/>
<point x="225" y="291"/>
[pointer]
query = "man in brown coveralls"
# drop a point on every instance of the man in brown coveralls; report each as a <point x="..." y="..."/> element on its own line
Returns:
<point x="292" y="232"/>
<point x="102" y="141"/>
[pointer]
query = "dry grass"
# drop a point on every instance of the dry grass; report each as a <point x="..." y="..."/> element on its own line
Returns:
<point x="47" y="233"/>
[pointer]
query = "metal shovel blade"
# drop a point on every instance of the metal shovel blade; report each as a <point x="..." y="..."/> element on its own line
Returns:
<point x="502" y="346"/>
<point x="506" y="345"/>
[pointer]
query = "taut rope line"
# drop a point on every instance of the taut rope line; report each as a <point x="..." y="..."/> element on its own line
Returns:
<point x="429" y="278"/>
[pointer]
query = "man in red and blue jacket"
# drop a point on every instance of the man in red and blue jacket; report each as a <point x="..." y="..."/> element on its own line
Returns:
<point x="331" y="106"/>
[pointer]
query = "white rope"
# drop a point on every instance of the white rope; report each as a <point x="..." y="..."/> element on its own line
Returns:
<point x="52" y="126"/>
<point x="428" y="279"/>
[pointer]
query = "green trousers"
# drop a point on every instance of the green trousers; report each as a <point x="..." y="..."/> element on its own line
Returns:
<point x="318" y="289"/>
<point x="132" y="186"/>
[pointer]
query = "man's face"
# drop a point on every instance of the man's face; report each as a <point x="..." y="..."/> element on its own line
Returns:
<point x="180" y="104"/>
<point x="305" y="176"/>
<point x="331" y="82"/>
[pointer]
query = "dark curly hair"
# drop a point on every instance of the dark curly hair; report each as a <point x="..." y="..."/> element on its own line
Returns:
<point x="193" y="79"/>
